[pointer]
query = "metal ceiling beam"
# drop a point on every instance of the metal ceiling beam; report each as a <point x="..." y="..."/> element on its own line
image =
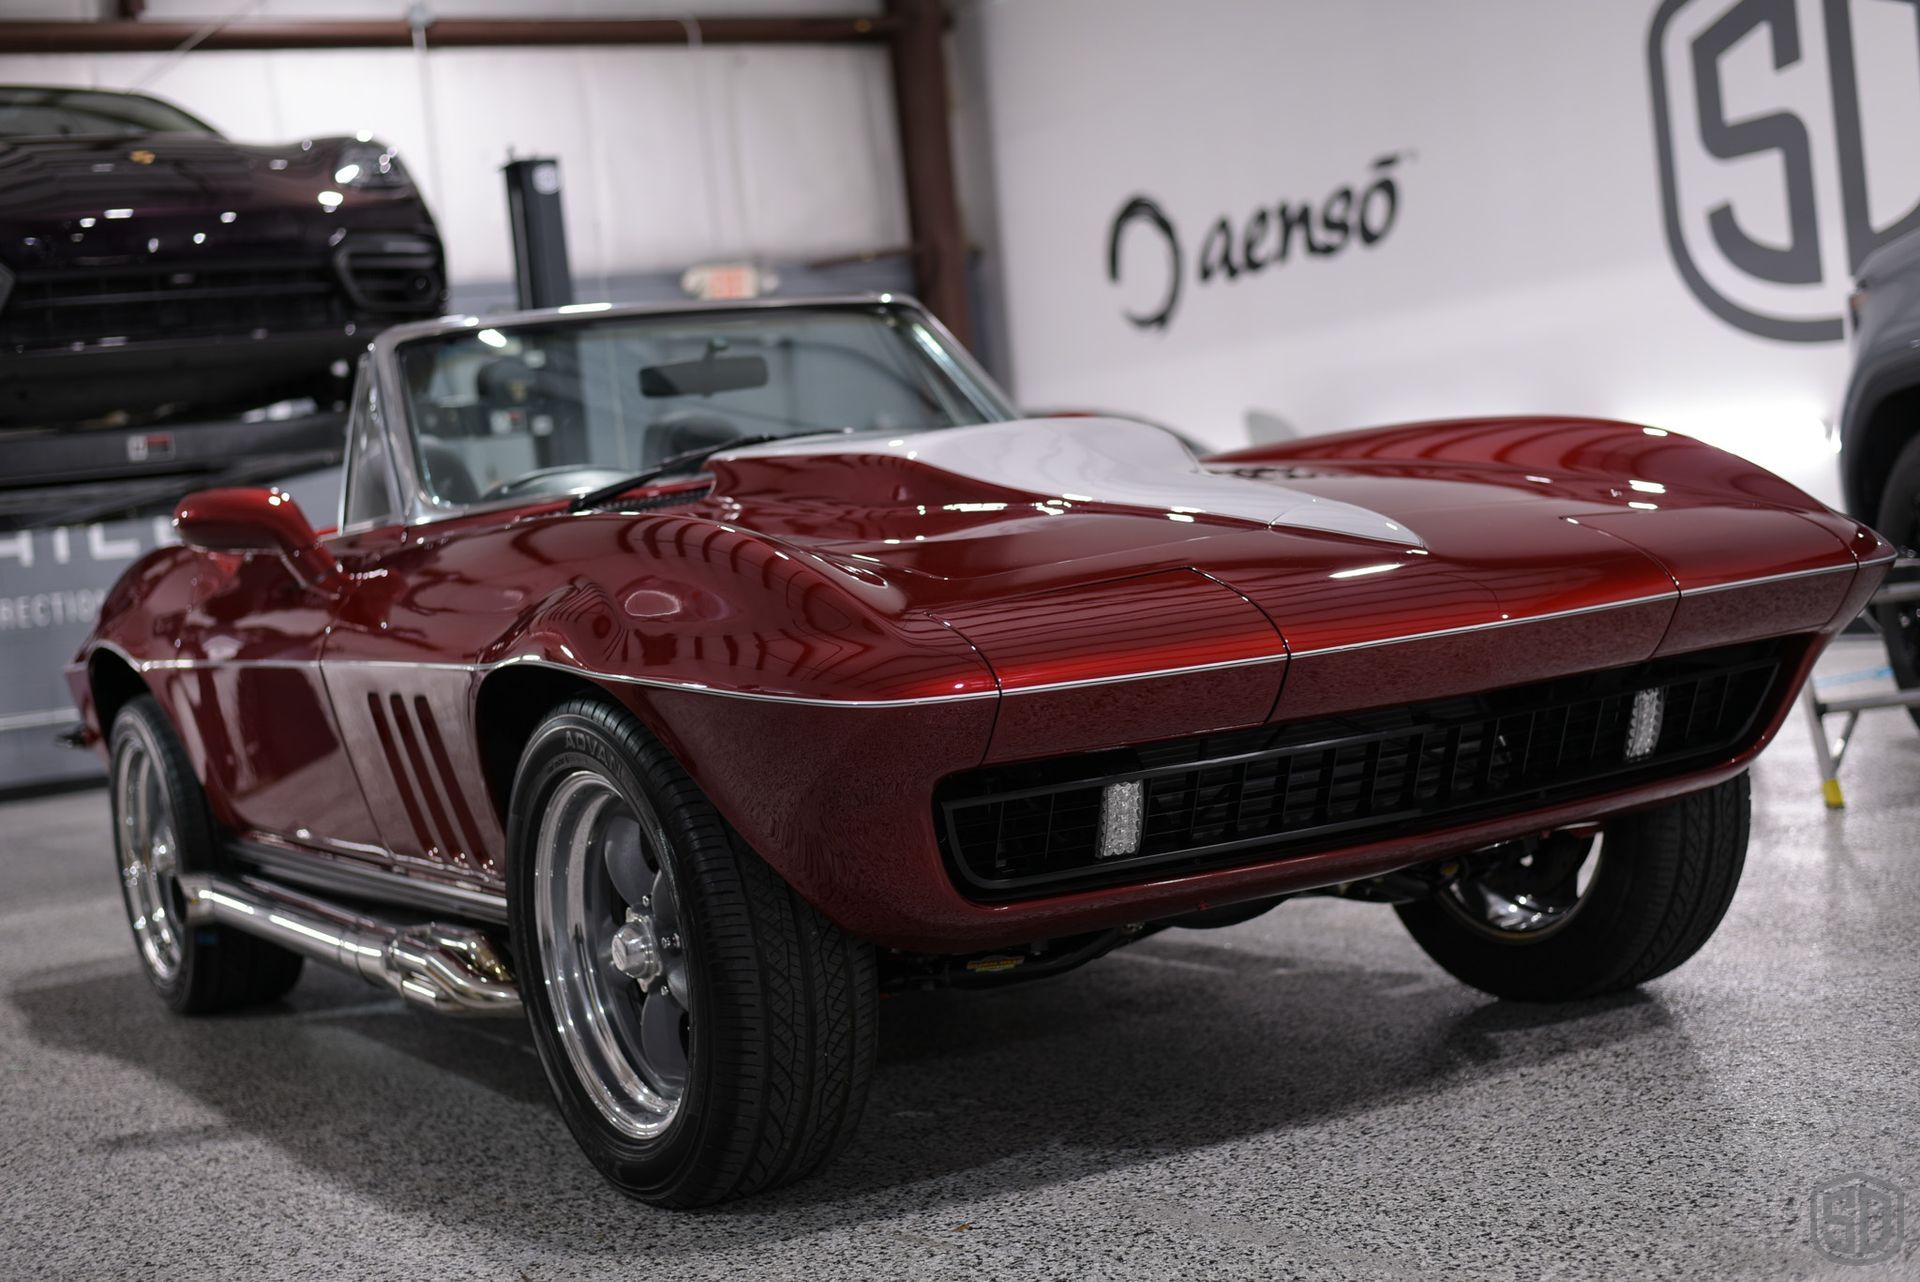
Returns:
<point x="443" y="33"/>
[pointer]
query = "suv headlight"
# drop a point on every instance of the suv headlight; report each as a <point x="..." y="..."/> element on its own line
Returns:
<point x="369" y="164"/>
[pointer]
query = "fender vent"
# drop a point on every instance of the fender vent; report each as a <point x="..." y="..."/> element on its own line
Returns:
<point x="1252" y="795"/>
<point x="416" y="757"/>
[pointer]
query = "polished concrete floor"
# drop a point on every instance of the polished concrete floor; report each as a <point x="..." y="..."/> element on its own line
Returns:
<point x="1301" y="1096"/>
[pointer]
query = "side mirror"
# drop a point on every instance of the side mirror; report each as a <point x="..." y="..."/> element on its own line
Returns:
<point x="252" y="521"/>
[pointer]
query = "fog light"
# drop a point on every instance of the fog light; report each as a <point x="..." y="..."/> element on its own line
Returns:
<point x="1643" y="729"/>
<point x="1121" y="807"/>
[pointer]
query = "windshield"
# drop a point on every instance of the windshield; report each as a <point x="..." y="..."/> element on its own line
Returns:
<point x="557" y="408"/>
<point x="49" y="113"/>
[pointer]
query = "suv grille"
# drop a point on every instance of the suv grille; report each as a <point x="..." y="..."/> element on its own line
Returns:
<point x="1249" y="795"/>
<point x="379" y="280"/>
<point x="197" y="299"/>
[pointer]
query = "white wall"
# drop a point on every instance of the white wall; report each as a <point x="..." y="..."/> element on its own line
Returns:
<point x="669" y="156"/>
<point x="1527" y="268"/>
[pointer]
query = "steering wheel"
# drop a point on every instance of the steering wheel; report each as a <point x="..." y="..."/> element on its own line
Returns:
<point x="585" y="476"/>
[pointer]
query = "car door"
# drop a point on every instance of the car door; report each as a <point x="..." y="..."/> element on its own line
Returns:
<point x="398" y="679"/>
<point x="253" y="698"/>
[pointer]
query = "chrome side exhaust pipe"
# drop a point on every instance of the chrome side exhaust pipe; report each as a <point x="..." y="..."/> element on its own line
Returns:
<point x="455" y="970"/>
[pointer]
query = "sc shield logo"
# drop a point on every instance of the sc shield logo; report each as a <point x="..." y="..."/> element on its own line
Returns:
<point x="1785" y="137"/>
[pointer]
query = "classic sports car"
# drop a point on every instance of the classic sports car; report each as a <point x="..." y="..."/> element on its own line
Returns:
<point x="690" y="676"/>
<point x="148" y="266"/>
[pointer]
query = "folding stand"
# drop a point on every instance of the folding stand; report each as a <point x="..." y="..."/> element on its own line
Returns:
<point x="1829" y="753"/>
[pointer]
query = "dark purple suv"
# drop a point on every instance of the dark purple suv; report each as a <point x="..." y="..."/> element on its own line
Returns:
<point x="149" y="267"/>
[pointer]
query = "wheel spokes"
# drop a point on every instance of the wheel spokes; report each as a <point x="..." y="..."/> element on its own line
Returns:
<point x="666" y="929"/>
<point x="663" y="1049"/>
<point x="1533" y="890"/>
<point x="605" y="906"/>
<point x="142" y="808"/>
<point x="626" y="860"/>
<point x="149" y="860"/>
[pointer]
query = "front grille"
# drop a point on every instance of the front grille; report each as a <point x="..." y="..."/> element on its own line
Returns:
<point x="185" y="299"/>
<point x="377" y="280"/>
<point x="1276" y="790"/>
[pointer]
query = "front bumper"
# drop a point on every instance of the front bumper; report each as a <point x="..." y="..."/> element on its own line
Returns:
<point x="841" y="800"/>
<point x="850" y="820"/>
<point x="1027" y="829"/>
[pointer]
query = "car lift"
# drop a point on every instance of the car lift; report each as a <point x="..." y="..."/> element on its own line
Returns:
<point x="1829" y="753"/>
<point x="74" y="476"/>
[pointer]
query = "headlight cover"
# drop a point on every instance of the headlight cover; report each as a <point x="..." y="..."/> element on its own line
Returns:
<point x="369" y="165"/>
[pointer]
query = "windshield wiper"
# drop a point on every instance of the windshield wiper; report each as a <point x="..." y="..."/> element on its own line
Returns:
<point x="686" y="460"/>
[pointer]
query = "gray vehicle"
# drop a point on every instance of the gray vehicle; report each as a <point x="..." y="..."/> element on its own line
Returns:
<point x="1880" y="431"/>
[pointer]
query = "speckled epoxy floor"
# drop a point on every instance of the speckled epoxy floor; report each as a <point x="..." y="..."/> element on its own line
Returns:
<point x="1300" y="1096"/>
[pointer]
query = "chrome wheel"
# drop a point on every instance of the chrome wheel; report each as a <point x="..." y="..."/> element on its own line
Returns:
<point x="1527" y="889"/>
<point x="613" y="952"/>
<point x="149" y="856"/>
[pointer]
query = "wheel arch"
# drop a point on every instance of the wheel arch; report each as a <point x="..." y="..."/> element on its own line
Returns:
<point x="1887" y="425"/>
<point x="513" y="699"/>
<point x="114" y="683"/>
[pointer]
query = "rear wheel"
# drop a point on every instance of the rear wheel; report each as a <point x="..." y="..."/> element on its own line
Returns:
<point x="161" y="829"/>
<point x="1899" y="521"/>
<point x="706" y="1033"/>
<point x="1576" y="916"/>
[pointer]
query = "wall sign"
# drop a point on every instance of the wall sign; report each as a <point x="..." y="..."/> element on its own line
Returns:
<point x="1750" y="219"/>
<point x="1270" y="236"/>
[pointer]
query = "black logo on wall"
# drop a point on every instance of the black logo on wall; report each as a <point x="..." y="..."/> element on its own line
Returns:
<point x="1742" y="211"/>
<point x="1268" y="237"/>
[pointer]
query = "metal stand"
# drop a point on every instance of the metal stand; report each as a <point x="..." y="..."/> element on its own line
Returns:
<point x="541" y="275"/>
<point x="1829" y="753"/>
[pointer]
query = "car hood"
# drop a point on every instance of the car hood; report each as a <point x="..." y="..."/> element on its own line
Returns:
<point x="969" y="524"/>
<point x="66" y="201"/>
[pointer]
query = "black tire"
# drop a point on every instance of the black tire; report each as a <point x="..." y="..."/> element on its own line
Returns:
<point x="214" y="968"/>
<point x="1663" y="882"/>
<point x="1898" y="520"/>
<point x="782" y="1019"/>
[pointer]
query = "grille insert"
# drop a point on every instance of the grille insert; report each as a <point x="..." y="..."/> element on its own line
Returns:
<point x="186" y="299"/>
<point x="212" y="296"/>
<point x="1253" y="794"/>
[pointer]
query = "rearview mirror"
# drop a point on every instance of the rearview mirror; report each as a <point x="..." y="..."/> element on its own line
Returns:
<point x="703" y="377"/>
<point x="251" y="521"/>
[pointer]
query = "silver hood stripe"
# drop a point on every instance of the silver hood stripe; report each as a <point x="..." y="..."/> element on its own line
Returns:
<point x="1103" y="460"/>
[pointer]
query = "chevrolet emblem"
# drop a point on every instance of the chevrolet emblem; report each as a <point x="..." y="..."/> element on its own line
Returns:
<point x="141" y="157"/>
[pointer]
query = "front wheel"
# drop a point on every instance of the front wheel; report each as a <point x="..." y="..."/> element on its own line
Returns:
<point x="706" y="1033"/>
<point x="1573" y="916"/>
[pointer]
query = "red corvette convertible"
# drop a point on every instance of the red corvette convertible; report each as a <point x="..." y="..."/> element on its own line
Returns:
<point x="689" y="676"/>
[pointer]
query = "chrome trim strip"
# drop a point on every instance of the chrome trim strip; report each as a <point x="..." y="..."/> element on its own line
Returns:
<point x="1147" y="676"/>
<point x="1488" y="627"/>
<point x="694" y="687"/>
<point x="1775" y="578"/>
